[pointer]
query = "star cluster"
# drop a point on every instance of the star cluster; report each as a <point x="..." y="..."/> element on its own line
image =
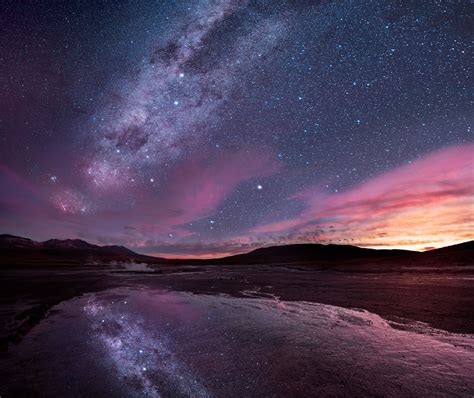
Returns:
<point x="212" y="127"/>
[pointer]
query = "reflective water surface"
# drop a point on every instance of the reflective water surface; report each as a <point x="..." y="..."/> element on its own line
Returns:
<point x="148" y="342"/>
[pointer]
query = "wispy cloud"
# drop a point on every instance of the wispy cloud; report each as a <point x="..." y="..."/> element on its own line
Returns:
<point x="430" y="200"/>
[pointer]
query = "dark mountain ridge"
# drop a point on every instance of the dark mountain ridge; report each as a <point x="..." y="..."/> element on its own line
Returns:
<point x="18" y="249"/>
<point x="311" y="252"/>
<point x="15" y="248"/>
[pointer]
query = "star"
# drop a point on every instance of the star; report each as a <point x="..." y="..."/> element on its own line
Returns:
<point x="221" y="99"/>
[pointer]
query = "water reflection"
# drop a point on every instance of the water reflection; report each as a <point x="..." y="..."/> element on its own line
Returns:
<point x="144" y="342"/>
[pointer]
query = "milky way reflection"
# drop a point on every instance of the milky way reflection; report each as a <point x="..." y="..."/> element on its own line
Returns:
<point x="139" y="353"/>
<point x="145" y="342"/>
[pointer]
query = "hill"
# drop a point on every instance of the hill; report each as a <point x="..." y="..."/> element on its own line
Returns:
<point x="308" y="252"/>
<point x="17" y="250"/>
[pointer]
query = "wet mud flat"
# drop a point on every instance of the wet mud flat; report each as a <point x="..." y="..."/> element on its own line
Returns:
<point x="237" y="331"/>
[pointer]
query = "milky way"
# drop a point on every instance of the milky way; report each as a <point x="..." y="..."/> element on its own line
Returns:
<point x="174" y="101"/>
<point x="211" y="127"/>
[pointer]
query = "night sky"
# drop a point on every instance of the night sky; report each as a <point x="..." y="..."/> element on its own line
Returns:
<point x="206" y="128"/>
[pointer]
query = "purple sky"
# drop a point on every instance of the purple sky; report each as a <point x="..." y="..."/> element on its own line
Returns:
<point x="213" y="127"/>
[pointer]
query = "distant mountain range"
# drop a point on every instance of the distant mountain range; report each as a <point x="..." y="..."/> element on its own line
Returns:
<point x="313" y="253"/>
<point x="18" y="250"/>
<point x="310" y="252"/>
<point x="15" y="248"/>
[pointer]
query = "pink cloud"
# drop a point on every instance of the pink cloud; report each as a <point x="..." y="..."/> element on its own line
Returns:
<point x="25" y="207"/>
<point x="279" y="226"/>
<point x="196" y="189"/>
<point x="18" y="194"/>
<point x="429" y="200"/>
